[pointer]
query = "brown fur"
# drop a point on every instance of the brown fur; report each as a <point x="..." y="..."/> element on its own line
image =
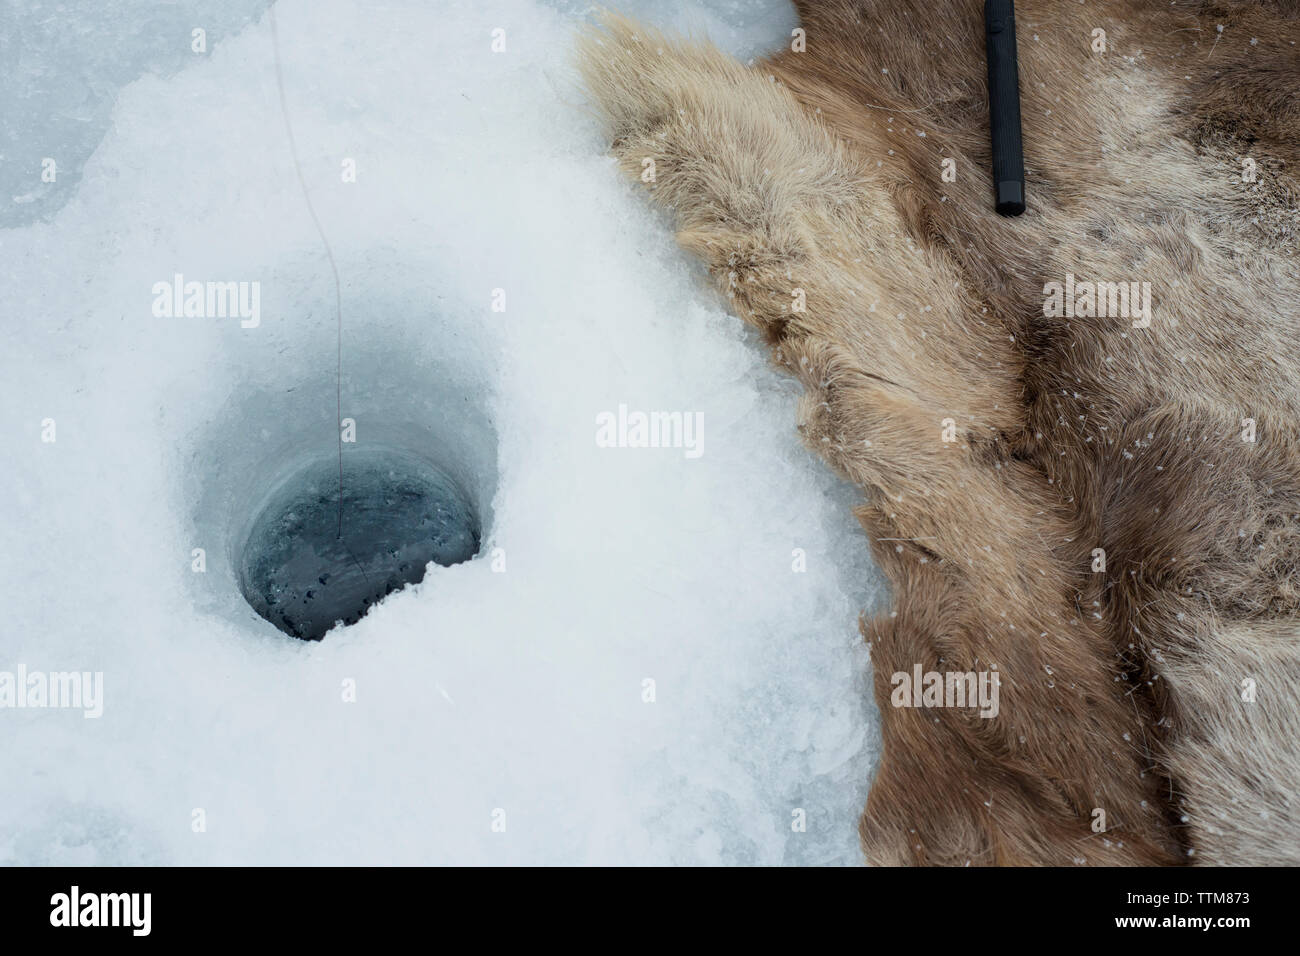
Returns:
<point x="1121" y="690"/>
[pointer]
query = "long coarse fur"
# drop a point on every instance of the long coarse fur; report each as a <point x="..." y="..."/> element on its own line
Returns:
<point x="1158" y="682"/>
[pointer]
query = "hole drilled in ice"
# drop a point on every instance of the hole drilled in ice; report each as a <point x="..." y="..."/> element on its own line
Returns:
<point x="399" y="513"/>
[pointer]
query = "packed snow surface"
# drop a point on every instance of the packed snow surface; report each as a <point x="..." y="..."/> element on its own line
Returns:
<point x="654" y="656"/>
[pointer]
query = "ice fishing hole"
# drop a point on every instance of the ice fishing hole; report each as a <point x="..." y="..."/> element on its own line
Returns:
<point x="400" y="513"/>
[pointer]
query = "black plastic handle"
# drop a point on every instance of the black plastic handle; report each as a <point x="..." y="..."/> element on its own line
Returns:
<point x="1004" y="106"/>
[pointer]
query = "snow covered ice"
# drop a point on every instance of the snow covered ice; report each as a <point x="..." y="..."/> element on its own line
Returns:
<point x="631" y="670"/>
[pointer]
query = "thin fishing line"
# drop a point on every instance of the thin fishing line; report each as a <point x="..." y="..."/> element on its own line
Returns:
<point x="329" y="254"/>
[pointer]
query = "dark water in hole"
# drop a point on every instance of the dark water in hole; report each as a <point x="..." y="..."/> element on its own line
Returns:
<point x="399" y="514"/>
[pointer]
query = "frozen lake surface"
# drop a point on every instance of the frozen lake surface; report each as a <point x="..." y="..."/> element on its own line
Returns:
<point x="653" y="656"/>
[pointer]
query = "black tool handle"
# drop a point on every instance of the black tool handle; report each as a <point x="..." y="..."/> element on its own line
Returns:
<point x="1004" y="106"/>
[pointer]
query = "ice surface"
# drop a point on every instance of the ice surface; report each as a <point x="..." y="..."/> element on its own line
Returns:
<point x="61" y="65"/>
<point x="631" y="670"/>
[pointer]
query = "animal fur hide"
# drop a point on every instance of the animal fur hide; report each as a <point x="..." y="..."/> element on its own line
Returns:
<point x="1104" y="509"/>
